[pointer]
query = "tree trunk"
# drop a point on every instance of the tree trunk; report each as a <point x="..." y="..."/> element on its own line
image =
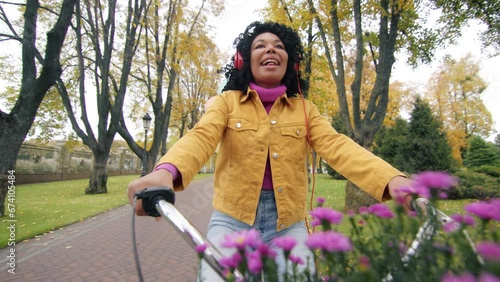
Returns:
<point x="356" y="198"/>
<point x="7" y="163"/>
<point x="98" y="177"/>
<point x="319" y="169"/>
<point x="15" y="126"/>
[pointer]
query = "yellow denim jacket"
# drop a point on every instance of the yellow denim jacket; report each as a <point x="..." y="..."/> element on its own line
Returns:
<point x="248" y="135"/>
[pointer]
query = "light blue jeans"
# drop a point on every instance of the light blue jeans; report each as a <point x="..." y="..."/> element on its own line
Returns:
<point x="265" y="222"/>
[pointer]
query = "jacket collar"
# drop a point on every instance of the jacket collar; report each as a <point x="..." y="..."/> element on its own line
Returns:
<point x="253" y="94"/>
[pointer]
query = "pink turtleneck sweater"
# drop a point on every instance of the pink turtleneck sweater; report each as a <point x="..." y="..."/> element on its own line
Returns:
<point x="267" y="97"/>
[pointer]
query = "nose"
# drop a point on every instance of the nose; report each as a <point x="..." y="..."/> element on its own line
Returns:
<point x="270" y="49"/>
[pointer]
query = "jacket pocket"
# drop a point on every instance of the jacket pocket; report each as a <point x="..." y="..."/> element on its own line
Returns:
<point x="242" y="137"/>
<point x="294" y="143"/>
<point x="239" y="125"/>
<point x="296" y="132"/>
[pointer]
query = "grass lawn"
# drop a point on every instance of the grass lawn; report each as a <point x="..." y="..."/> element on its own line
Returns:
<point x="43" y="207"/>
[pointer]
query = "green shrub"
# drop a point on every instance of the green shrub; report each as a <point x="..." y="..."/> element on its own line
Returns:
<point x="488" y="169"/>
<point x="474" y="185"/>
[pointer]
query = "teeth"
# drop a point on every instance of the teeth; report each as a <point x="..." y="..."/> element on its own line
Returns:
<point x="268" y="62"/>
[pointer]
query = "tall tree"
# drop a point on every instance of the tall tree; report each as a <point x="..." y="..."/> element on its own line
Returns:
<point x="481" y="153"/>
<point x="426" y="146"/>
<point x="456" y="13"/>
<point x="171" y="31"/>
<point x="198" y="80"/>
<point x="14" y="126"/>
<point x="96" y="27"/>
<point x="390" y="142"/>
<point x="455" y="90"/>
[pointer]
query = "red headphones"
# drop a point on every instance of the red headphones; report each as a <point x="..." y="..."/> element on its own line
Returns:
<point x="238" y="62"/>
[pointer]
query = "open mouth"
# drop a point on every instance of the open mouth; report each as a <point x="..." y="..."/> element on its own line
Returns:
<point x="270" y="63"/>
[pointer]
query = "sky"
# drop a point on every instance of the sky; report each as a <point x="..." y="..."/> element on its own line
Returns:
<point x="240" y="13"/>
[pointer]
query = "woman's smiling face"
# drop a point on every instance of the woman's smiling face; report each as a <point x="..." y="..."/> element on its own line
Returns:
<point x="268" y="60"/>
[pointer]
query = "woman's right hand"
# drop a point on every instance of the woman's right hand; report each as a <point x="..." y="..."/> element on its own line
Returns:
<point x="161" y="177"/>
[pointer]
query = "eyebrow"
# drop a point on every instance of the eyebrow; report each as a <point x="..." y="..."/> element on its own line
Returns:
<point x="262" y="40"/>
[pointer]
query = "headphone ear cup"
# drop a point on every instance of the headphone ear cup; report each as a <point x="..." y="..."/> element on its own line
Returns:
<point x="238" y="61"/>
<point x="297" y="64"/>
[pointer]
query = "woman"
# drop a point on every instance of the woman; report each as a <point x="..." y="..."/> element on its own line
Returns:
<point x="265" y="128"/>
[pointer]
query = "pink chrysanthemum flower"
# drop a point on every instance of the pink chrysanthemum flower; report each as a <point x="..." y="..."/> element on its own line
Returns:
<point x="489" y="250"/>
<point x="286" y="243"/>
<point x="295" y="259"/>
<point x="254" y="262"/>
<point x="381" y="211"/>
<point x="464" y="277"/>
<point x="401" y="193"/>
<point x="485" y="210"/>
<point x="363" y="210"/>
<point x="266" y="251"/>
<point x="451" y="227"/>
<point x="435" y="180"/>
<point x="201" y="248"/>
<point x="242" y="240"/>
<point x="232" y="261"/>
<point x="495" y="202"/>
<point x="364" y="262"/>
<point x="329" y="241"/>
<point x="442" y="195"/>
<point x="351" y="213"/>
<point x="320" y="201"/>
<point x="322" y="214"/>
<point x="488" y="277"/>
<point x="466" y="220"/>
<point x="429" y="183"/>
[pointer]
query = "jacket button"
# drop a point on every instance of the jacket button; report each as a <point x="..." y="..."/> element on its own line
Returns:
<point x="280" y="189"/>
<point x="273" y="122"/>
<point x="298" y="132"/>
<point x="282" y="226"/>
<point x="238" y="124"/>
<point x="275" y="155"/>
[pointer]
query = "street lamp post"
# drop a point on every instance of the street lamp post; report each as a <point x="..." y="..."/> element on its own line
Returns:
<point x="146" y="122"/>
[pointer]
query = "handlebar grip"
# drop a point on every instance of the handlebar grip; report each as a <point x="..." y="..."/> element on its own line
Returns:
<point x="415" y="204"/>
<point x="151" y="196"/>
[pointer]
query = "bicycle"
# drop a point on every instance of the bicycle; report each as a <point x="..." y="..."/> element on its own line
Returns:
<point x="159" y="201"/>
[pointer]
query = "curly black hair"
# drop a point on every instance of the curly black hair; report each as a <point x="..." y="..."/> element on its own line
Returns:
<point x="240" y="79"/>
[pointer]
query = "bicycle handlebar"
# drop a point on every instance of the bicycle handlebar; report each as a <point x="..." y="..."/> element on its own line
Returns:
<point x="428" y="230"/>
<point x="158" y="201"/>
